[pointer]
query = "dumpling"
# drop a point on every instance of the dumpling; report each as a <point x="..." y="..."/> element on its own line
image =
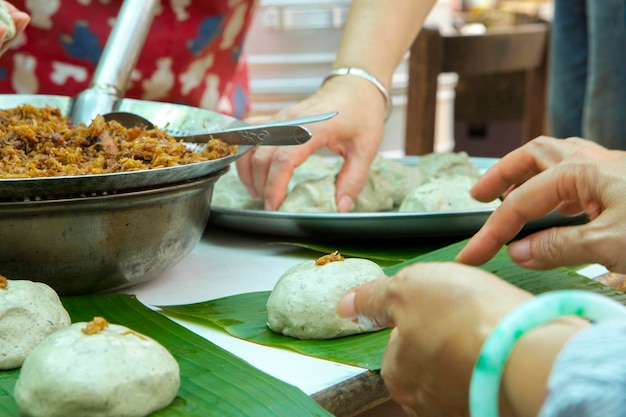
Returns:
<point x="376" y="195"/>
<point x="29" y="312"/>
<point x="448" y="163"/>
<point x="229" y="192"/>
<point x="402" y="178"/>
<point x="303" y="303"/>
<point x="318" y="196"/>
<point x="448" y="193"/>
<point x="315" y="167"/>
<point x="97" y="369"/>
<point x="311" y="196"/>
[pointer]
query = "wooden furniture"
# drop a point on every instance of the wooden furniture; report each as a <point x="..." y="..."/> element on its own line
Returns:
<point x="502" y="74"/>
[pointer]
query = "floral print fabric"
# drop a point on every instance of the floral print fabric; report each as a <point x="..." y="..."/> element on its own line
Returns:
<point x="192" y="55"/>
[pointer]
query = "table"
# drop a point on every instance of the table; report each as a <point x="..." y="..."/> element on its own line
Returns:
<point x="226" y="263"/>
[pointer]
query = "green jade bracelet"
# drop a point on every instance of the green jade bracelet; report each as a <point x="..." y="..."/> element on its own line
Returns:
<point x="487" y="374"/>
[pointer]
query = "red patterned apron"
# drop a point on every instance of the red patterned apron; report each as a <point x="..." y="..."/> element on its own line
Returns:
<point x="192" y="55"/>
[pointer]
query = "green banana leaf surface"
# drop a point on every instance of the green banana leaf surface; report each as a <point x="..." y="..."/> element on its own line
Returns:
<point x="216" y="383"/>
<point x="245" y="315"/>
<point x="213" y="381"/>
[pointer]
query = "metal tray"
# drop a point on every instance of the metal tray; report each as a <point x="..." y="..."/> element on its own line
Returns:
<point x="369" y="225"/>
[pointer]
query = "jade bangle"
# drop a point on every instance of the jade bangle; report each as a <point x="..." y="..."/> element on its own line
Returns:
<point x="487" y="374"/>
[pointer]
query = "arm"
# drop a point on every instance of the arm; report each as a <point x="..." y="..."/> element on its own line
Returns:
<point x="376" y="37"/>
<point x="588" y="377"/>
<point x="526" y="374"/>
<point x="378" y="34"/>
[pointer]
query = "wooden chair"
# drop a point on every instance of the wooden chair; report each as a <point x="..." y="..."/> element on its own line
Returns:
<point x="512" y="60"/>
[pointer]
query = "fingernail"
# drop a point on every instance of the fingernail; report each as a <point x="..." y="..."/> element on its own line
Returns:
<point x="520" y="251"/>
<point x="345" y="307"/>
<point x="268" y="205"/>
<point x="345" y="204"/>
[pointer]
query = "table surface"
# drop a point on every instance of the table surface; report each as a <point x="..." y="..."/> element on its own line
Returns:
<point x="226" y="263"/>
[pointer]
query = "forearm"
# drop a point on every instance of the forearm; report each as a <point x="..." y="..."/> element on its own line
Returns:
<point x="526" y="374"/>
<point x="379" y="32"/>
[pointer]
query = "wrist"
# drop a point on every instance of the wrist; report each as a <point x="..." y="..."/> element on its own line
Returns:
<point x="544" y="308"/>
<point x="526" y="373"/>
<point x="367" y="76"/>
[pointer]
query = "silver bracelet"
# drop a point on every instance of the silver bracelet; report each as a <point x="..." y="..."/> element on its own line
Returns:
<point x="361" y="73"/>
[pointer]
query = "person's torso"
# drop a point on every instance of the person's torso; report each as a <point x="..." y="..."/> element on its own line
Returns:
<point x="192" y="55"/>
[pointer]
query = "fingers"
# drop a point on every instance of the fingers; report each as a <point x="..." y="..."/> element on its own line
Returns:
<point x="351" y="179"/>
<point x="267" y="170"/>
<point x="20" y="18"/>
<point x="244" y="170"/>
<point x="20" y="21"/>
<point x="594" y="242"/>
<point x="392" y="301"/>
<point x="595" y="187"/>
<point x="527" y="161"/>
<point x="368" y="304"/>
<point x="555" y="187"/>
<point x="550" y="249"/>
<point x="282" y="162"/>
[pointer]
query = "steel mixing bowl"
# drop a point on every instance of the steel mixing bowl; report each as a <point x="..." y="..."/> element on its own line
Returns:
<point x="127" y="229"/>
<point x="89" y="244"/>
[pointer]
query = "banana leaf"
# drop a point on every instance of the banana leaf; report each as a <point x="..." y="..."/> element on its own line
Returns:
<point x="245" y="315"/>
<point x="213" y="381"/>
<point x="386" y="253"/>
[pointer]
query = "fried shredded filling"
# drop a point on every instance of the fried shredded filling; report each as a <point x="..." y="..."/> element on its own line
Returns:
<point x="42" y="142"/>
<point x="331" y="257"/>
<point x="4" y="282"/>
<point x="95" y="326"/>
<point x="134" y="333"/>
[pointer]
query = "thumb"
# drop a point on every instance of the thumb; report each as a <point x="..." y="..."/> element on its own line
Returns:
<point x="367" y="304"/>
<point x="554" y="247"/>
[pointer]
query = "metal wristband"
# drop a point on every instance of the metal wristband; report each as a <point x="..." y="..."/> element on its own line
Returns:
<point x="485" y="382"/>
<point x="361" y="73"/>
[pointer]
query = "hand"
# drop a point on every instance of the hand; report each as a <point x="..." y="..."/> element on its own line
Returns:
<point x="355" y="133"/>
<point x="20" y="19"/>
<point x="571" y="176"/>
<point x="442" y="313"/>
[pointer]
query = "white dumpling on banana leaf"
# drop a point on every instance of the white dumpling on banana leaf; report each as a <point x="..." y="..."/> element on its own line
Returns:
<point x="97" y="369"/>
<point x="29" y="312"/>
<point x="303" y="303"/>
